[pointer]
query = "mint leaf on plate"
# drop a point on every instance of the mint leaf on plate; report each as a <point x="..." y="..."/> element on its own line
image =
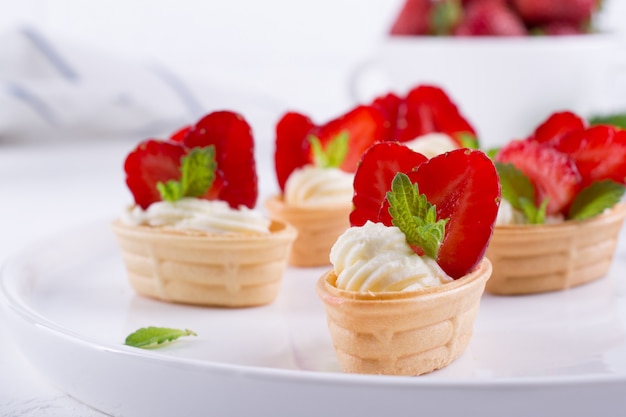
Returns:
<point x="149" y="337"/>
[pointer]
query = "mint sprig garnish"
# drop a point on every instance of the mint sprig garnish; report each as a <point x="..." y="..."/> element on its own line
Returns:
<point x="415" y="216"/>
<point x="197" y="175"/>
<point x="595" y="198"/>
<point x="149" y="337"/>
<point x="520" y="193"/>
<point x="334" y="154"/>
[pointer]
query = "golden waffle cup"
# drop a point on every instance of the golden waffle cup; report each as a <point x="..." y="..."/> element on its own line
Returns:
<point x="224" y="270"/>
<point x="531" y="259"/>
<point x="402" y="333"/>
<point x="318" y="229"/>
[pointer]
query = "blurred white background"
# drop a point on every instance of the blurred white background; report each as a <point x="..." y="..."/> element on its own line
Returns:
<point x="295" y="51"/>
<point x="298" y="52"/>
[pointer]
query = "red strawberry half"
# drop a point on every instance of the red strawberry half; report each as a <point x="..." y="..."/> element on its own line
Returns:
<point x="364" y="125"/>
<point x="557" y="126"/>
<point x="390" y="105"/>
<point x="180" y="134"/>
<point x="463" y="184"/>
<point x="151" y="162"/>
<point x="236" y="179"/>
<point x="293" y="150"/>
<point x="379" y="164"/>
<point x="599" y="153"/>
<point x="425" y="109"/>
<point x="554" y="174"/>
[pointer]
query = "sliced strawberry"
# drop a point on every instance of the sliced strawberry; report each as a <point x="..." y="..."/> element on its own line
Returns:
<point x="428" y="110"/>
<point x="463" y="184"/>
<point x="557" y="126"/>
<point x="599" y="153"/>
<point x="236" y="178"/>
<point x="365" y="126"/>
<point x="151" y="162"/>
<point x="412" y="19"/>
<point x="293" y="149"/>
<point x="379" y="164"/>
<point x="392" y="108"/>
<point x="553" y="173"/>
<point x="180" y="135"/>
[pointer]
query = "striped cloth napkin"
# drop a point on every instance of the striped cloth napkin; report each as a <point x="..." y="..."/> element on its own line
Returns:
<point x="53" y="90"/>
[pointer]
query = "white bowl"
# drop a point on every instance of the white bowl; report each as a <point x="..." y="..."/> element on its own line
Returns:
<point x="504" y="86"/>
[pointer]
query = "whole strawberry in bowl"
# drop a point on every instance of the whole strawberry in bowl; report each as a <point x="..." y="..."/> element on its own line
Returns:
<point x="192" y="235"/>
<point x="314" y="167"/>
<point x="409" y="273"/>
<point x="561" y="215"/>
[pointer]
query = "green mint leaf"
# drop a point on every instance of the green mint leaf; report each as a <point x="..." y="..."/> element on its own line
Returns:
<point x="197" y="175"/>
<point x="334" y="154"/>
<point x="148" y="337"/>
<point x="492" y="152"/>
<point x="616" y="119"/>
<point x="595" y="198"/>
<point x="520" y="193"/>
<point x="415" y="216"/>
<point x="533" y="214"/>
<point x="170" y="191"/>
<point x="468" y="140"/>
<point x="198" y="169"/>
<point x="515" y="185"/>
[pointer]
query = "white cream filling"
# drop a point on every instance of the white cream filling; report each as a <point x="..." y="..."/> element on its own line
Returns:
<point x="376" y="258"/>
<point x="311" y="186"/>
<point x="198" y="214"/>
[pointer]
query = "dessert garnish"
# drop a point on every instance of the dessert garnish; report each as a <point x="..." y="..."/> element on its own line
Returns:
<point x="152" y="337"/>
<point x="564" y="170"/>
<point x="446" y="205"/>
<point x="425" y="109"/>
<point x="213" y="160"/>
<point x="362" y="126"/>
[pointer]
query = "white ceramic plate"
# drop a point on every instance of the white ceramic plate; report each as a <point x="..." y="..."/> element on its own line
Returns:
<point x="69" y="307"/>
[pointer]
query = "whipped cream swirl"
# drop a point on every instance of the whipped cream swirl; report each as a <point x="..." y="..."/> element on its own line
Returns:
<point x="376" y="258"/>
<point x="198" y="214"/>
<point x="311" y="186"/>
<point x="432" y="144"/>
